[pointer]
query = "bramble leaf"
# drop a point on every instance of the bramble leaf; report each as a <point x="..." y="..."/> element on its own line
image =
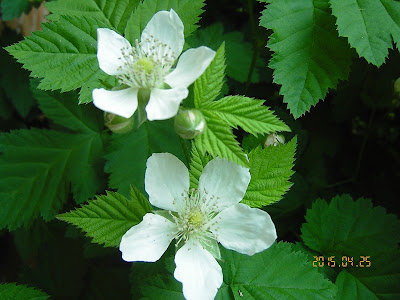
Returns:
<point x="63" y="54"/>
<point x="11" y="9"/>
<point x="369" y="26"/>
<point x="21" y="292"/>
<point x="270" y="170"/>
<point x="114" y="13"/>
<point x="208" y="86"/>
<point x="109" y="217"/>
<point x="189" y="12"/>
<point x="197" y="164"/>
<point x="248" y="113"/>
<point x="343" y="227"/>
<point x="309" y="57"/>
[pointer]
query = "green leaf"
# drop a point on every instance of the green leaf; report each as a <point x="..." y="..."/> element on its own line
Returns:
<point x="36" y="167"/>
<point x="347" y="227"/>
<point x="63" y="54"/>
<point x="218" y="140"/>
<point x="11" y="9"/>
<point x="309" y="57"/>
<point x="270" y="170"/>
<point x="63" y="110"/>
<point x="114" y="13"/>
<point x="238" y="52"/>
<point x="189" y="12"/>
<point x="208" y="86"/>
<point x="166" y="288"/>
<point x="109" y="217"/>
<point x="379" y="281"/>
<point x="197" y="164"/>
<point x="127" y="155"/>
<point x="11" y="291"/>
<point x="369" y="26"/>
<point x="248" y="113"/>
<point x="276" y="273"/>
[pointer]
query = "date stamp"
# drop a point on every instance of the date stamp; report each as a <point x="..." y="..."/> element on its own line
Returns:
<point x="342" y="262"/>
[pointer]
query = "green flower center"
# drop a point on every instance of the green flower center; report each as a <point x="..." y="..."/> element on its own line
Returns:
<point x="195" y="219"/>
<point x="145" y="64"/>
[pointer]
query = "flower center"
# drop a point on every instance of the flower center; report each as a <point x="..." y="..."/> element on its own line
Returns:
<point x="195" y="210"/>
<point x="146" y="64"/>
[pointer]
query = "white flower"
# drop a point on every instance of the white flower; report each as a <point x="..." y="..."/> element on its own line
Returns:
<point x="144" y="69"/>
<point x="197" y="220"/>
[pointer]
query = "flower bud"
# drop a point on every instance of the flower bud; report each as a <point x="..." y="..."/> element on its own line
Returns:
<point x="274" y="139"/>
<point x="117" y="123"/>
<point x="189" y="123"/>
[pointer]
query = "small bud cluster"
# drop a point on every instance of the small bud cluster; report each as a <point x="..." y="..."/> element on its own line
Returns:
<point x="146" y="65"/>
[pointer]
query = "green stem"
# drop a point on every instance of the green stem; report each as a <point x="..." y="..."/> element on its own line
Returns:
<point x="185" y="150"/>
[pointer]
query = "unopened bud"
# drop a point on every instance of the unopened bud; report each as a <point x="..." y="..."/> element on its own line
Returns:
<point x="274" y="139"/>
<point x="189" y="123"/>
<point x="117" y="123"/>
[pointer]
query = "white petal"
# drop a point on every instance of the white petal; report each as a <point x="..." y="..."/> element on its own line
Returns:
<point x="109" y="46"/>
<point x="164" y="104"/>
<point x="244" y="229"/>
<point x="226" y="180"/>
<point x="167" y="28"/>
<point x="166" y="178"/>
<point x="120" y="102"/>
<point x="199" y="272"/>
<point x="148" y="240"/>
<point x="190" y="66"/>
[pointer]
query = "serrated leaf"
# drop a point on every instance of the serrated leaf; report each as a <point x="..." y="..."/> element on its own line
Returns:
<point x="208" y="86"/>
<point x="369" y="26"/>
<point x="11" y="9"/>
<point x="12" y="291"/>
<point x="248" y="113"/>
<point x="347" y="227"/>
<point x="218" y="140"/>
<point x="270" y="170"/>
<point x="197" y="164"/>
<point x="115" y="13"/>
<point x="276" y="273"/>
<point x="36" y="168"/>
<point x="238" y="52"/>
<point x="63" y="54"/>
<point x="127" y="155"/>
<point x="65" y="111"/>
<point x="109" y="217"/>
<point x="309" y="57"/>
<point x="189" y="12"/>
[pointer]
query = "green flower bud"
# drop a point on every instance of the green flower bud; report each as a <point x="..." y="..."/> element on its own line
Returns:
<point x="117" y="123"/>
<point x="274" y="139"/>
<point x="189" y="123"/>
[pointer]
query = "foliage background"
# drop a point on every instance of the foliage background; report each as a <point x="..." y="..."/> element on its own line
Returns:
<point x="347" y="144"/>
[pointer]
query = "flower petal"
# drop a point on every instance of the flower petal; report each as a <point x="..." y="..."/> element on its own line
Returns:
<point x="167" y="28"/>
<point x="164" y="104"/>
<point x="166" y="178"/>
<point x="109" y="51"/>
<point x="244" y="229"/>
<point x="120" y="102"/>
<point x="191" y="65"/>
<point x="148" y="240"/>
<point x="199" y="272"/>
<point x="226" y="180"/>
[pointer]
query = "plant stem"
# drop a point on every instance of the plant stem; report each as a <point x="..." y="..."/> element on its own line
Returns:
<point x="185" y="150"/>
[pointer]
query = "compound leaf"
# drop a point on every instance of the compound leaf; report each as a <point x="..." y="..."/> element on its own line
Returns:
<point x="109" y="217"/>
<point x="309" y="56"/>
<point x="270" y="170"/>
